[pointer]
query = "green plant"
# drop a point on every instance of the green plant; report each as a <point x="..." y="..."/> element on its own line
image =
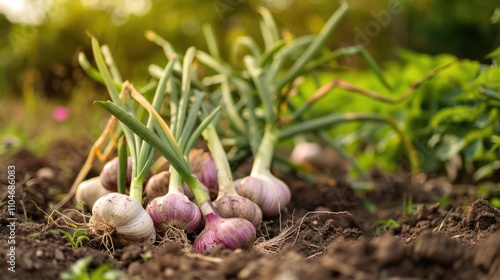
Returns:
<point x="269" y="92"/>
<point x="408" y="208"/>
<point x="172" y="144"/>
<point x="147" y="256"/>
<point x="75" y="239"/>
<point x="80" y="271"/>
<point x="383" y="225"/>
<point x="451" y="119"/>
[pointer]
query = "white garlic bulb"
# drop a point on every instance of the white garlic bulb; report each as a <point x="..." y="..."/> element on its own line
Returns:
<point x="122" y="218"/>
<point x="89" y="191"/>
<point x="268" y="192"/>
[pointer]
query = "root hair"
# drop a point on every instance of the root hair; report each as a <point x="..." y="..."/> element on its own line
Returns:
<point x="177" y="235"/>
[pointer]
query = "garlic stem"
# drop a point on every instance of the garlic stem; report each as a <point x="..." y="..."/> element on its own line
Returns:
<point x="122" y="166"/>
<point x="137" y="184"/>
<point x="136" y="189"/>
<point x="199" y="191"/>
<point x="175" y="181"/>
<point x="209" y="212"/>
<point x="224" y="175"/>
<point x="263" y="159"/>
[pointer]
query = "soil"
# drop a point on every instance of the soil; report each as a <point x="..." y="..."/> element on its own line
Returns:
<point x="328" y="231"/>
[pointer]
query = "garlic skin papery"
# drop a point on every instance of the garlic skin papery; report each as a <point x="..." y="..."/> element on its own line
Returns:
<point x="268" y="192"/>
<point x="90" y="191"/>
<point x="175" y="209"/>
<point x="157" y="185"/>
<point x="122" y="219"/>
<point x="232" y="233"/>
<point x="236" y="206"/>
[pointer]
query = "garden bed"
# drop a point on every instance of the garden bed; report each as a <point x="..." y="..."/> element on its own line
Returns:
<point x="332" y="231"/>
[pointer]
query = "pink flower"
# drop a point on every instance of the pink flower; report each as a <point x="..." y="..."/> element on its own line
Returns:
<point x="60" y="113"/>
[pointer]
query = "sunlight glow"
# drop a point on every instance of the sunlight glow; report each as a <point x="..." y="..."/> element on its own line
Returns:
<point x="24" y="11"/>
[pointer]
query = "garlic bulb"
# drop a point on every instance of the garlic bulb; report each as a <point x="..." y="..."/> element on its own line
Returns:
<point x="232" y="233"/>
<point x="175" y="209"/>
<point x="157" y="185"/>
<point x="122" y="218"/>
<point x="89" y="191"/>
<point x="268" y="192"/>
<point x="235" y="206"/>
<point x="309" y="153"/>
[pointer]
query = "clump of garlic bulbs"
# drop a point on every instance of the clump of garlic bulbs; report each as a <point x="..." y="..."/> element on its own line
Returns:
<point x="121" y="220"/>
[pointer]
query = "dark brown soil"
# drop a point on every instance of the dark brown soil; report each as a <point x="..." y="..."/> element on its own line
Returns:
<point x="328" y="231"/>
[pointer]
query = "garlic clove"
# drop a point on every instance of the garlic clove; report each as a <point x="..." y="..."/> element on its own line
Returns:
<point x="89" y="191"/>
<point x="235" y="206"/>
<point x="122" y="218"/>
<point x="175" y="209"/>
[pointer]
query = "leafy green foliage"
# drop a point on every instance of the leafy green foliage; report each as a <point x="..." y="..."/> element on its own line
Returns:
<point x="79" y="271"/>
<point x="452" y="116"/>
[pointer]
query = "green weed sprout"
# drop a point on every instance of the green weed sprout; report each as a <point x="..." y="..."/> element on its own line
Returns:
<point x="75" y="239"/>
<point x="383" y="225"/>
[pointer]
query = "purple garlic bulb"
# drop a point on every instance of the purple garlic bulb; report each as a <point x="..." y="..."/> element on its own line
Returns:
<point x="175" y="209"/>
<point x="232" y="233"/>
<point x="235" y="206"/>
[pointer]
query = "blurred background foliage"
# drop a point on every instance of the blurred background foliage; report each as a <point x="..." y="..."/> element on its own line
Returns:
<point x="41" y="40"/>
